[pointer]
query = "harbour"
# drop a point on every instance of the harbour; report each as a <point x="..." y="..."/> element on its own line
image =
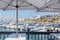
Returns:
<point x="29" y="19"/>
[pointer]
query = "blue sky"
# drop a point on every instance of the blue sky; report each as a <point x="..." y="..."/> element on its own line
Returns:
<point x="24" y="13"/>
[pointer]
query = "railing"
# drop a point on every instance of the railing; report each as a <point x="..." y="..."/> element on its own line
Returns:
<point x="30" y="35"/>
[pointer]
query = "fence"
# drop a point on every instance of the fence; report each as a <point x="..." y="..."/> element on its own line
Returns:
<point x="30" y="35"/>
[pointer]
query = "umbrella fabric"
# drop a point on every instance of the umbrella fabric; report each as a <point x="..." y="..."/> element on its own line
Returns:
<point x="40" y="5"/>
<point x="23" y="4"/>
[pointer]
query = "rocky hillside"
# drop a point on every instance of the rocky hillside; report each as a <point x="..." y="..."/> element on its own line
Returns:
<point x="43" y="19"/>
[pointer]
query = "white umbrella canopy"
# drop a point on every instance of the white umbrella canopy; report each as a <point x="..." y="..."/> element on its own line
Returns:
<point x="51" y="6"/>
<point x="23" y="4"/>
<point x="40" y="5"/>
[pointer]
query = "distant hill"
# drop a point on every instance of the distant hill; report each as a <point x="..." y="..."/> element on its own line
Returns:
<point x="43" y="19"/>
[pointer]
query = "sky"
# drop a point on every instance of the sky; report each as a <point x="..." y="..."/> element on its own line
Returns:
<point x="23" y="13"/>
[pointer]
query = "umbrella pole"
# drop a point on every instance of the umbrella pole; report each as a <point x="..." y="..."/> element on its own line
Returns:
<point x="16" y="18"/>
<point x="17" y="21"/>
